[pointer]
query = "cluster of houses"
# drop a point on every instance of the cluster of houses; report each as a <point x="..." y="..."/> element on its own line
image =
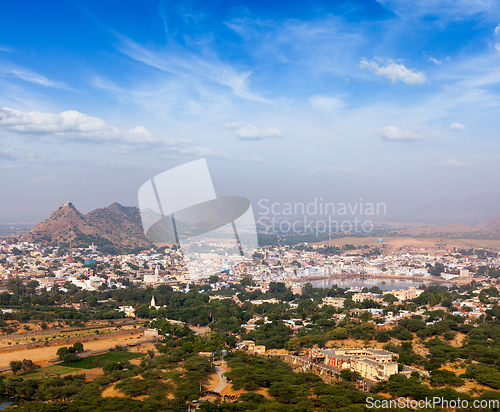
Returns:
<point x="274" y="263"/>
<point x="402" y="294"/>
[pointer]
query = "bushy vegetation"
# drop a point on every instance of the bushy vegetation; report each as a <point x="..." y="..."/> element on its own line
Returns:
<point x="91" y="362"/>
<point x="24" y="365"/>
<point x="150" y="378"/>
<point x="67" y="354"/>
<point x="431" y="341"/>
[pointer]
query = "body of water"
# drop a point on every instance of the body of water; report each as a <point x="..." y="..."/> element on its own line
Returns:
<point x="384" y="284"/>
<point x="4" y="401"/>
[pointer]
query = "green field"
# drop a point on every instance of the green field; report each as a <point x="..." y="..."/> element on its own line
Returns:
<point x="48" y="372"/>
<point x="101" y="360"/>
<point x="85" y="363"/>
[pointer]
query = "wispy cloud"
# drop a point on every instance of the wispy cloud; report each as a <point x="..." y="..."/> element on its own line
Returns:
<point x="497" y="29"/>
<point x="395" y="134"/>
<point x="444" y="10"/>
<point x="204" y="66"/>
<point x="326" y="103"/>
<point x="448" y="164"/>
<point x="251" y="132"/>
<point x="435" y="61"/>
<point x="257" y="159"/>
<point x="322" y="46"/>
<point x="4" y="155"/>
<point x="394" y="72"/>
<point x="337" y="170"/>
<point x="43" y="179"/>
<point x="30" y="76"/>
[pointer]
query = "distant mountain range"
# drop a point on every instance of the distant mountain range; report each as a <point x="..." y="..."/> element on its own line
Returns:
<point x="471" y="211"/>
<point x="111" y="229"/>
<point x="118" y="228"/>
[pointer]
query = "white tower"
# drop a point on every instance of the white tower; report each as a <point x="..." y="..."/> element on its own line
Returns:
<point x="153" y="303"/>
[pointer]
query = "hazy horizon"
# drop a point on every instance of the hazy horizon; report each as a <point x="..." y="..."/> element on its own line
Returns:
<point x="387" y="101"/>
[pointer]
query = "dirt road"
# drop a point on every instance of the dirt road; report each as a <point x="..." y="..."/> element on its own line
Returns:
<point x="222" y="380"/>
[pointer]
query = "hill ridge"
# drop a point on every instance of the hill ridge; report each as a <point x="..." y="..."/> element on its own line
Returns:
<point x="112" y="229"/>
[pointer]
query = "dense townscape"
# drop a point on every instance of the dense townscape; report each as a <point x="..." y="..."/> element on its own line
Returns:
<point x="272" y="339"/>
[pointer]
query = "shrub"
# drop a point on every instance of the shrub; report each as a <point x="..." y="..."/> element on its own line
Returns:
<point x="442" y="377"/>
<point x="16" y="366"/>
<point x="133" y="386"/>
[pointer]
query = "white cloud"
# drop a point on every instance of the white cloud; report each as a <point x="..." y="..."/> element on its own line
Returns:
<point x="457" y="126"/>
<point x="497" y="47"/>
<point x="394" y="72"/>
<point x="448" y="164"/>
<point x="32" y="77"/>
<point x="437" y="61"/>
<point x="497" y="29"/>
<point x="70" y="125"/>
<point x="326" y="103"/>
<point x="234" y="125"/>
<point x="251" y="132"/>
<point x="394" y="133"/>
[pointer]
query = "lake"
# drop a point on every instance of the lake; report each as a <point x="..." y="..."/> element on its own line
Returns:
<point x="369" y="283"/>
<point x="4" y="401"/>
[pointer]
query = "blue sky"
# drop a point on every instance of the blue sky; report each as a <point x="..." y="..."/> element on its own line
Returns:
<point x="385" y="100"/>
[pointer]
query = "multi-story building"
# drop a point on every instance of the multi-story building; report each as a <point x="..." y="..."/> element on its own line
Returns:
<point x="360" y="297"/>
<point x="406" y="294"/>
<point x="371" y="364"/>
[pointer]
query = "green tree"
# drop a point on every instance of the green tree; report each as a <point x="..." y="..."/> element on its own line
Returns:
<point x="62" y="352"/>
<point x="70" y="357"/>
<point x="92" y="301"/>
<point x="246" y="281"/>
<point x="28" y="364"/>
<point x="390" y="298"/>
<point x="78" y="346"/>
<point x="349" y="376"/>
<point x="15" y="366"/>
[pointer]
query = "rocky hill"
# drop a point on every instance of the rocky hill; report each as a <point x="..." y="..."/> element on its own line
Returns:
<point x="490" y="224"/>
<point x="112" y="229"/>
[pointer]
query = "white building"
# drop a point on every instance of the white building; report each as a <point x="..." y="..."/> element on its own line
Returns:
<point x="335" y="302"/>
